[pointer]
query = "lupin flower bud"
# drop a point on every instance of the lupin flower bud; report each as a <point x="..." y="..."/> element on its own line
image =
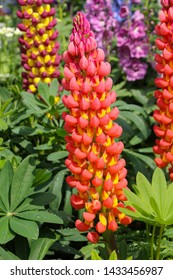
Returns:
<point x="164" y="95"/>
<point x="98" y="171"/>
<point x="38" y="46"/>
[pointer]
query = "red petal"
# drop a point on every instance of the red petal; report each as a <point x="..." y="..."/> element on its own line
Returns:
<point x="93" y="237"/>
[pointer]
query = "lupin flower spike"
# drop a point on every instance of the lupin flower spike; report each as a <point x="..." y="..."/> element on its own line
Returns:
<point x="98" y="172"/>
<point x="38" y="46"/>
<point x="164" y="95"/>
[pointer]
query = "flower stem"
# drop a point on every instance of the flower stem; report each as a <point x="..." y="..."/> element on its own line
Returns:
<point x="159" y="242"/>
<point x="110" y="241"/>
<point x="152" y="242"/>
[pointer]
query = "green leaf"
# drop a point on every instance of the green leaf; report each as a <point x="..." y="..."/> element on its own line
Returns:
<point x="3" y="125"/>
<point x="22" y="182"/>
<point x="28" y="229"/>
<point x="53" y="88"/>
<point x="68" y="231"/>
<point x="41" y="176"/>
<point x="43" y="90"/>
<point x="159" y="189"/>
<point x="144" y="189"/>
<point x="67" y="205"/>
<point x="40" y="216"/>
<point x="6" y="176"/>
<point x="42" y="198"/>
<point x="40" y="247"/>
<point x="113" y="256"/>
<point x="34" y="104"/>
<point x="75" y="238"/>
<point x="5" y="232"/>
<point x="7" y="255"/>
<point x="57" y="189"/>
<point x="169" y="200"/>
<point x="95" y="255"/>
<point x="137" y="203"/>
<point x="57" y="155"/>
<point x="138" y="121"/>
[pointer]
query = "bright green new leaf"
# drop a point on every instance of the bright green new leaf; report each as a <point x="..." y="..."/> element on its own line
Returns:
<point x="153" y="202"/>
<point x="95" y="255"/>
<point x="159" y="187"/>
<point x="113" y="256"/>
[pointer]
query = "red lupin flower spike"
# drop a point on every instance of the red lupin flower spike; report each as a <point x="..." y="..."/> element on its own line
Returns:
<point x="98" y="171"/>
<point x="38" y="43"/>
<point x="164" y="95"/>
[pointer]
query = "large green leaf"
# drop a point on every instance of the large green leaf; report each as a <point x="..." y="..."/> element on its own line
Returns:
<point x="40" y="216"/>
<point x="5" y="232"/>
<point x="28" y="229"/>
<point x="6" y="176"/>
<point x="22" y="182"/>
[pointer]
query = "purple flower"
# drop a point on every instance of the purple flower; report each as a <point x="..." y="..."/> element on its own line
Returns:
<point x="137" y="30"/>
<point x="124" y="11"/>
<point x="122" y="36"/>
<point x="136" y="70"/>
<point x="100" y="15"/>
<point x="138" y="50"/>
<point x="132" y="43"/>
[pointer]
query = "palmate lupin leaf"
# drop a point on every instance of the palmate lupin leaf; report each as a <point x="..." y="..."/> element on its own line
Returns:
<point x="18" y="215"/>
<point x="153" y="202"/>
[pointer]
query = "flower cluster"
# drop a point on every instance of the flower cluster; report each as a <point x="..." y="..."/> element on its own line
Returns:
<point x="98" y="171"/>
<point x="104" y="25"/>
<point x="132" y="43"/>
<point x="164" y="95"/>
<point x="38" y="42"/>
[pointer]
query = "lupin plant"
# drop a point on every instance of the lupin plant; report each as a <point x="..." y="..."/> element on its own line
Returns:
<point x="98" y="171"/>
<point x="39" y="47"/>
<point x="164" y="66"/>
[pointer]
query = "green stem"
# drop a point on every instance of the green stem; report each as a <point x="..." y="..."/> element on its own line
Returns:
<point x="159" y="242"/>
<point x="109" y="238"/>
<point x="152" y="242"/>
<point x="146" y="4"/>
